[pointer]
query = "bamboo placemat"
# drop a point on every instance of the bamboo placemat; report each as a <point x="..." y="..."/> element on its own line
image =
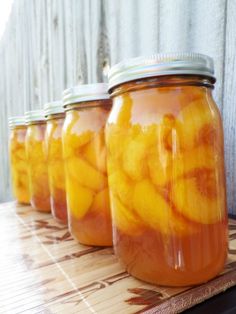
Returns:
<point x="43" y="270"/>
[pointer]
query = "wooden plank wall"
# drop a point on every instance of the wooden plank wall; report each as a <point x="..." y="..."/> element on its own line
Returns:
<point x="50" y="45"/>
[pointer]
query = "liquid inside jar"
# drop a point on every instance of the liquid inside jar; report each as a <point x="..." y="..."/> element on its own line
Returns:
<point x="86" y="173"/>
<point x="56" y="167"/>
<point x="167" y="181"/>
<point x="19" y="166"/>
<point x="38" y="168"/>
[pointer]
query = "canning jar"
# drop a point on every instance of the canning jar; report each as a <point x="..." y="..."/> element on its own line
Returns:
<point x="18" y="162"/>
<point x="166" y="169"/>
<point x="37" y="161"/>
<point x="55" y="116"/>
<point x="87" y="108"/>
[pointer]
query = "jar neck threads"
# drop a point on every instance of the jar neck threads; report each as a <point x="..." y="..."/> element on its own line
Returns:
<point x="164" y="81"/>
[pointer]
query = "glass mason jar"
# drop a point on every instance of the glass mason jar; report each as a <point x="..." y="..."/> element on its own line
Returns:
<point x="37" y="161"/>
<point x="18" y="162"/>
<point x="87" y="108"/>
<point x="55" y="116"/>
<point x="166" y="169"/>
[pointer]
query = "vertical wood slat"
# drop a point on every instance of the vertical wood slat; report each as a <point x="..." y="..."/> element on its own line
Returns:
<point x="229" y="105"/>
<point x="50" y="45"/>
<point x="75" y="51"/>
<point x="207" y="34"/>
<point x="56" y="48"/>
<point x="174" y="25"/>
<point x="43" y="65"/>
<point x="33" y="42"/>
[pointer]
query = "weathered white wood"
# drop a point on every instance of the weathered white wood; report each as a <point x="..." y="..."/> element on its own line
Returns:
<point x="148" y="21"/>
<point x="128" y="29"/>
<point x="56" y="48"/>
<point x="207" y="34"/>
<point x="174" y="25"/>
<point x="100" y="49"/>
<point x="4" y="164"/>
<point x="75" y="56"/>
<point x="229" y="104"/>
<point x="32" y="40"/>
<point x="71" y="70"/>
<point x="132" y="28"/>
<point x="50" y="45"/>
<point x="43" y="65"/>
<point x="112" y="9"/>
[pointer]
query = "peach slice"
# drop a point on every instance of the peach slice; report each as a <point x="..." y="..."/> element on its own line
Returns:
<point x="21" y="186"/>
<point x="95" y="152"/>
<point x="85" y="174"/>
<point x="200" y="157"/>
<point x="36" y="152"/>
<point x="121" y="186"/>
<point x="101" y="202"/>
<point x="200" y="197"/>
<point x="159" y="165"/>
<point x="79" y="198"/>
<point x="20" y="165"/>
<point x="24" y="181"/>
<point x="40" y="189"/>
<point x="138" y="143"/>
<point x="164" y="167"/>
<point x="74" y="142"/>
<point x="125" y="219"/>
<point x="155" y="211"/>
<point x="112" y="164"/>
<point x="134" y="159"/>
<point x="23" y="195"/>
<point x="56" y="172"/>
<point x="124" y="105"/>
<point x="39" y="171"/>
<point x="116" y="138"/>
<point x="55" y="149"/>
<point x="20" y="153"/>
<point x="168" y="134"/>
<point x="191" y="120"/>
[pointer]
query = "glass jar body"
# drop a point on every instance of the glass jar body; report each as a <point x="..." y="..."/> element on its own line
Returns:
<point x="167" y="180"/>
<point x="56" y="167"/>
<point x="18" y="164"/>
<point x="38" y="168"/>
<point x="84" y="152"/>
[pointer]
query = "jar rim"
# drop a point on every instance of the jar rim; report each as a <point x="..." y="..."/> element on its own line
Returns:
<point x="34" y="116"/>
<point x="16" y="121"/>
<point x="161" y="64"/>
<point x="85" y="92"/>
<point x="53" y="107"/>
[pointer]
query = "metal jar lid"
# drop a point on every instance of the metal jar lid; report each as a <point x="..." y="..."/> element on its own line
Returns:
<point x="54" y="107"/>
<point x="16" y="121"/>
<point x="34" y="115"/>
<point x="160" y="65"/>
<point x="86" y="92"/>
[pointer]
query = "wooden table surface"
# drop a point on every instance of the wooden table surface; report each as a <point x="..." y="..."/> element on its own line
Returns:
<point x="43" y="270"/>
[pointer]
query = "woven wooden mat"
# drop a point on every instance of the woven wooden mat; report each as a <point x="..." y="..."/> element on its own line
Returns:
<point x="43" y="270"/>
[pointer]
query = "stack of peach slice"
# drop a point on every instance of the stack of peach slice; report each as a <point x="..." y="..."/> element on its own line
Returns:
<point x="19" y="167"/>
<point x="86" y="176"/>
<point x="38" y="172"/>
<point x="168" y="175"/>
